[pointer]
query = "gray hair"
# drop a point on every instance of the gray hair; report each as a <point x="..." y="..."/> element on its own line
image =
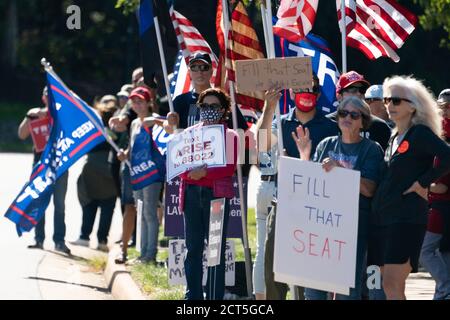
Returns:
<point x="362" y="106"/>
<point x="427" y="110"/>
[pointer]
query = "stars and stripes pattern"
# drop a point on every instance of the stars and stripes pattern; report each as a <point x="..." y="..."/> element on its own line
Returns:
<point x="295" y="19"/>
<point x="190" y="40"/>
<point x="377" y="27"/>
<point x="180" y="82"/>
<point x="243" y="44"/>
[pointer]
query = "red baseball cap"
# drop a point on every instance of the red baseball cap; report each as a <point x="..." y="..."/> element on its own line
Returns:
<point x="350" y="78"/>
<point x="140" y="92"/>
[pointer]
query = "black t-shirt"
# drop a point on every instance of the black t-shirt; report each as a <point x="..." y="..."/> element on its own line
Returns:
<point x="379" y="131"/>
<point x="185" y="106"/>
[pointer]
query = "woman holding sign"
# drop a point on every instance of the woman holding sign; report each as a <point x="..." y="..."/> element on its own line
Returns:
<point x="199" y="186"/>
<point x="401" y="199"/>
<point x="352" y="151"/>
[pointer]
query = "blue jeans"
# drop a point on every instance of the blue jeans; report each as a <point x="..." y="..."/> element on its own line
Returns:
<point x="436" y="264"/>
<point x="149" y="195"/>
<point x="59" y="227"/>
<point x="197" y="204"/>
<point x="355" y="293"/>
<point x="106" y="212"/>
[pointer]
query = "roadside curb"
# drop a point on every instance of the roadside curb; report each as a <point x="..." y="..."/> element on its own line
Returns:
<point x="119" y="280"/>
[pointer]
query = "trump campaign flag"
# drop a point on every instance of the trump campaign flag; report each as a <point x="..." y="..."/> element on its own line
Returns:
<point x="323" y="66"/>
<point x="75" y="130"/>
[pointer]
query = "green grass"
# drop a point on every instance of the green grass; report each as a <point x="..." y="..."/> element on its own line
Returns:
<point x="153" y="280"/>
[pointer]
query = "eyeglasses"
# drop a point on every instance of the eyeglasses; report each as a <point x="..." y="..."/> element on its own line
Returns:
<point x="199" y="67"/>
<point x="315" y="90"/>
<point x="354" y="90"/>
<point x="211" y="106"/>
<point x="395" y="100"/>
<point x="353" y="114"/>
<point x="370" y="100"/>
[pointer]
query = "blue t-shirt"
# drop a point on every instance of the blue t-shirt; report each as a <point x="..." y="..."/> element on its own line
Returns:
<point x="320" y="127"/>
<point x="365" y="156"/>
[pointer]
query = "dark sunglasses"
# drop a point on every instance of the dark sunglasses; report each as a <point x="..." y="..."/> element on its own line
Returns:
<point x="200" y="67"/>
<point x="354" y="90"/>
<point x="353" y="114"/>
<point x="395" y="100"/>
<point x="315" y="90"/>
<point x="370" y="100"/>
<point x="209" y="106"/>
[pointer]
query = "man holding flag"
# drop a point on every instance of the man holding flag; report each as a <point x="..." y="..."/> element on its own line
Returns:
<point x="36" y="124"/>
<point x="75" y="129"/>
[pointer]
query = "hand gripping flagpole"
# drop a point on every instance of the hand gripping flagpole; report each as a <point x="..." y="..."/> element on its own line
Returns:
<point x="48" y="68"/>
<point x="243" y="205"/>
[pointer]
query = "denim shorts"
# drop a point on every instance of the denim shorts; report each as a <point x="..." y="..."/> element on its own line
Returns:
<point x="126" y="194"/>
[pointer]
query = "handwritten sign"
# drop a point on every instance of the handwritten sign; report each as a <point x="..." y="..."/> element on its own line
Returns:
<point x="173" y="217"/>
<point x="317" y="226"/>
<point x="194" y="147"/>
<point x="40" y="132"/>
<point x="177" y="252"/>
<point x="264" y="74"/>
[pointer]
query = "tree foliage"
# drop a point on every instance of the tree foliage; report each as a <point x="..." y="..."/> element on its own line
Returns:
<point x="436" y="15"/>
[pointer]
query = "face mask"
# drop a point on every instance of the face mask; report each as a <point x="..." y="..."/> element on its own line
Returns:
<point x="305" y="101"/>
<point x="446" y="127"/>
<point x="210" y="116"/>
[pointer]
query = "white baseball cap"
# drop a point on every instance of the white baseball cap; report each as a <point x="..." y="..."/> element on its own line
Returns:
<point x="374" y="92"/>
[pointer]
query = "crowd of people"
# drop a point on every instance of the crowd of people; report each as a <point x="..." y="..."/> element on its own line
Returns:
<point x="395" y="134"/>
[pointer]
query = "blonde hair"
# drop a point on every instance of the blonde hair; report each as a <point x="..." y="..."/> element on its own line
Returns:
<point x="427" y="111"/>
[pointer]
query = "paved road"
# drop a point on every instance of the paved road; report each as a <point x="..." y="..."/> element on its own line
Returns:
<point x="20" y="267"/>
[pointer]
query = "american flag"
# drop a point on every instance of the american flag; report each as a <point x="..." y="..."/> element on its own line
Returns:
<point x="295" y="19"/>
<point x="243" y="44"/>
<point x="180" y="82"/>
<point x="190" y="39"/>
<point x="377" y="27"/>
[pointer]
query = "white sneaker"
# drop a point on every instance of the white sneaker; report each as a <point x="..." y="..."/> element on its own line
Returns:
<point x="80" y="242"/>
<point x="103" y="247"/>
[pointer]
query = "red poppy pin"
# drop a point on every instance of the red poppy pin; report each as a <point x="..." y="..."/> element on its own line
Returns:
<point x="403" y="147"/>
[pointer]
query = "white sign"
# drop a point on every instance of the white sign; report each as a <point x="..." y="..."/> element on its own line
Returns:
<point x="195" y="147"/>
<point x="177" y="252"/>
<point x="316" y="226"/>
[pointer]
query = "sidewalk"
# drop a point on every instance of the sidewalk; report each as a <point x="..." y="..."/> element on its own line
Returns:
<point x="62" y="277"/>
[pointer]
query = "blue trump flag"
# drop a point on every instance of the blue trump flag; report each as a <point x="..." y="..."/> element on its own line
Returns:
<point x="148" y="165"/>
<point x="76" y="129"/>
<point x="323" y="66"/>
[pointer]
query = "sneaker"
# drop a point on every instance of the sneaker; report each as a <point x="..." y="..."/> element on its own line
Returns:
<point x="36" y="245"/>
<point x="61" y="247"/>
<point x="80" y="242"/>
<point x="102" y="246"/>
<point x="121" y="259"/>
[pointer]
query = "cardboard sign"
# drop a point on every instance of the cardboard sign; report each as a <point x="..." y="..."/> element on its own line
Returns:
<point x="173" y="217"/>
<point x="177" y="252"/>
<point x="40" y="132"/>
<point x="264" y="74"/>
<point x="316" y="226"/>
<point x="215" y="231"/>
<point x="195" y="147"/>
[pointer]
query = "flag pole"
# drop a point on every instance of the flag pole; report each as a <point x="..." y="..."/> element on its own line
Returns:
<point x="264" y="22"/>
<point x="271" y="55"/>
<point x="48" y="68"/>
<point x="243" y="205"/>
<point x="163" y="63"/>
<point x="343" y="37"/>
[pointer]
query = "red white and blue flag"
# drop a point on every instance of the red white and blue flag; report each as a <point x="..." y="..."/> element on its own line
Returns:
<point x="295" y="19"/>
<point x="377" y="27"/>
<point x="73" y="134"/>
<point x="180" y="82"/>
